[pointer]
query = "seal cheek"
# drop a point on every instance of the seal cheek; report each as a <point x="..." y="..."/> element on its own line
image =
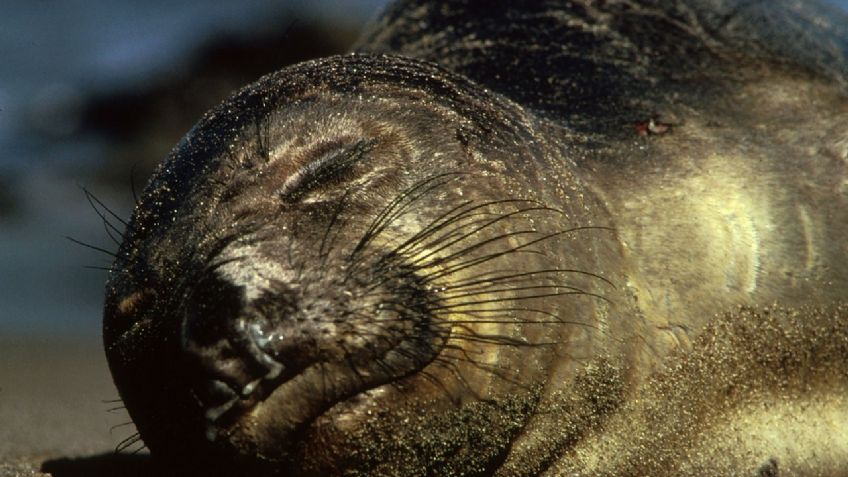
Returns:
<point x="130" y="304"/>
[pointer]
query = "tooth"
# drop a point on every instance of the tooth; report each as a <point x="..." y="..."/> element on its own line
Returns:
<point x="212" y="414"/>
<point x="219" y="388"/>
<point x="248" y="389"/>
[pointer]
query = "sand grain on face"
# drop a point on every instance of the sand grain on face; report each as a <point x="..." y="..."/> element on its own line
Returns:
<point x="463" y="258"/>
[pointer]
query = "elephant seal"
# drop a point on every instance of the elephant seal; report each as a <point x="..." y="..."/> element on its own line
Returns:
<point x="509" y="239"/>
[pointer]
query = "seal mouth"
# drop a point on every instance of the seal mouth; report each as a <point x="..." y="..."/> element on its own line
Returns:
<point x="300" y="399"/>
<point x="284" y="353"/>
<point x="225" y="400"/>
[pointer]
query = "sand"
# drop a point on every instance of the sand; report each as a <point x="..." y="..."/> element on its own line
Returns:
<point x="55" y="418"/>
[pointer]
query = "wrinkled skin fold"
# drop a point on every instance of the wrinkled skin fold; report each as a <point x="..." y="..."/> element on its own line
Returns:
<point x="506" y="239"/>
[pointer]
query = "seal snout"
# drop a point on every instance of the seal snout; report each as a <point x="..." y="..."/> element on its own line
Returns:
<point x="235" y="345"/>
<point x="272" y="342"/>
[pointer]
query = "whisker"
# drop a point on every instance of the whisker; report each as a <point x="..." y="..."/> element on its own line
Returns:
<point x="525" y="275"/>
<point x="518" y="298"/>
<point x="92" y="247"/>
<point x="118" y="426"/>
<point x="108" y="227"/>
<point x="90" y="196"/>
<point x="485" y="367"/>
<point x="478" y="229"/>
<point x="473" y="313"/>
<point x="96" y="267"/>
<point x="436" y="225"/>
<point x="127" y="442"/>
<point x="132" y="183"/>
<point x="386" y="217"/>
<point x="487" y="258"/>
<point x="493" y="291"/>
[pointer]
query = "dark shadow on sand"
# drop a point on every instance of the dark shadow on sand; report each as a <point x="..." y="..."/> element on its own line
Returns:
<point x="127" y="465"/>
<point x="102" y="465"/>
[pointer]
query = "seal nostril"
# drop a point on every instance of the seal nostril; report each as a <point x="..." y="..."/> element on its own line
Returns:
<point x="258" y="344"/>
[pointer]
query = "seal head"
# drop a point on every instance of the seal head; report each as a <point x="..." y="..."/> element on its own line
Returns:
<point x="315" y="258"/>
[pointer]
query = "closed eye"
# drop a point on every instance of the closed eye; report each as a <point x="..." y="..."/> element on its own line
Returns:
<point x="331" y="168"/>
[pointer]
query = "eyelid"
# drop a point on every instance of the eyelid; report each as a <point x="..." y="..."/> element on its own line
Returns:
<point x="323" y="170"/>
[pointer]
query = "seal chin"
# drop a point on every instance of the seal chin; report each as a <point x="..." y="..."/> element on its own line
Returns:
<point x="268" y="355"/>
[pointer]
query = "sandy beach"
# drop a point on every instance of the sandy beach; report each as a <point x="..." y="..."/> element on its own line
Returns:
<point x="55" y="418"/>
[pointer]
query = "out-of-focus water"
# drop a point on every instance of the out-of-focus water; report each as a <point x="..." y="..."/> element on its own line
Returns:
<point x="53" y="55"/>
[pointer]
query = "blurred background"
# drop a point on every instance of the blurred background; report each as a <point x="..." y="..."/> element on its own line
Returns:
<point x="93" y="94"/>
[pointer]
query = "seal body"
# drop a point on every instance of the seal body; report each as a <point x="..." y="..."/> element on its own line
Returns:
<point x="506" y="239"/>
